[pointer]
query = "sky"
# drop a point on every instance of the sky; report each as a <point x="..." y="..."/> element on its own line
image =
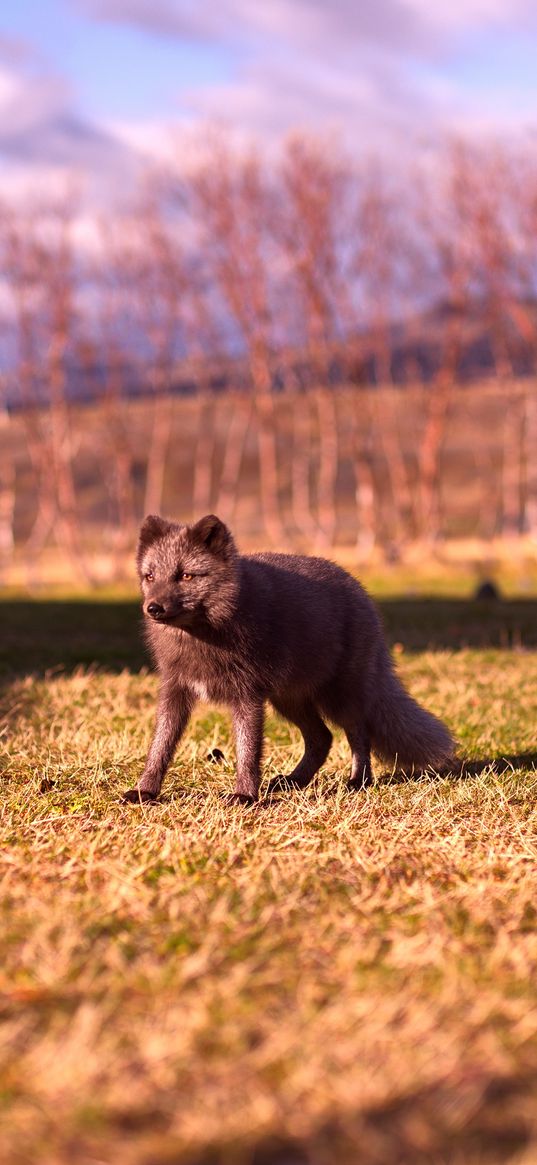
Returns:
<point x="100" y="86"/>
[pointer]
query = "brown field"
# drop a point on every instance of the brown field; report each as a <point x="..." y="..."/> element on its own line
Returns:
<point x="474" y="466"/>
<point x="325" y="979"/>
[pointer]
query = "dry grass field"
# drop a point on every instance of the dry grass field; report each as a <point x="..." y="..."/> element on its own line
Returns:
<point x="474" y="469"/>
<point x="325" y="979"/>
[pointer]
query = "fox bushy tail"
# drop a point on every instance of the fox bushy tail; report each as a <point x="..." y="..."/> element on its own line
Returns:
<point x="400" y="729"/>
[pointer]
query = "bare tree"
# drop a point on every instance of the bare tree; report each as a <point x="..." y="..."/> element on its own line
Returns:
<point x="489" y="176"/>
<point x="382" y="255"/>
<point x="204" y="343"/>
<point x="107" y="356"/>
<point x="7" y="487"/>
<point x="239" y="406"/>
<point x="446" y="222"/>
<point x="314" y="189"/>
<point x="43" y="282"/>
<point x="230" y="203"/>
<point x="522" y="310"/>
<point x="159" y="282"/>
<point x="284" y="297"/>
<point x="21" y="262"/>
<point x="365" y="493"/>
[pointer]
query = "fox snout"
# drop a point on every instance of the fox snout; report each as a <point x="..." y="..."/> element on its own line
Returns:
<point x="156" y="610"/>
<point x="162" y="607"/>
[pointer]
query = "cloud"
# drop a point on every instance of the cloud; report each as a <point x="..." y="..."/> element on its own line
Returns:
<point x="300" y="63"/>
<point x="164" y="18"/>
<point x="14" y="51"/>
<point x="468" y="14"/>
<point x="418" y="27"/>
<point x="374" y="70"/>
<point x="370" y="108"/>
<point x="43" y="136"/>
<point x="303" y="22"/>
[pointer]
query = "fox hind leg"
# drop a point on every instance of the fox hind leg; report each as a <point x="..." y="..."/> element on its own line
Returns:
<point x="360" y="745"/>
<point x="317" y="742"/>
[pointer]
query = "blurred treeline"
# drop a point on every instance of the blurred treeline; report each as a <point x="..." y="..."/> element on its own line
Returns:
<point x="322" y="351"/>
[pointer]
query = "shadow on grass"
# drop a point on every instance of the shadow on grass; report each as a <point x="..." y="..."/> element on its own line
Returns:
<point x="470" y="1117"/>
<point x="464" y="769"/>
<point x="40" y="635"/>
<point x="453" y="624"/>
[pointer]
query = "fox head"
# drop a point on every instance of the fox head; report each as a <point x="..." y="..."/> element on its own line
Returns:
<point x="188" y="574"/>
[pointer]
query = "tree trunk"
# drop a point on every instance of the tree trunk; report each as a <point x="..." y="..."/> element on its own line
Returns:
<point x="403" y="518"/>
<point x="159" y="442"/>
<point x="511" y="460"/>
<point x="7" y="499"/>
<point x="268" y="469"/>
<point x="366" y="517"/>
<point x="301" y="468"/>
<point x="120" y="457"/>
<point x="61" y="450"/>
<point x="530" y="458"/>
<point x="204" y="456"/>
<point x="328" y="467"/>
<point x="236" y="437"/>
<point x="438" y="399"/>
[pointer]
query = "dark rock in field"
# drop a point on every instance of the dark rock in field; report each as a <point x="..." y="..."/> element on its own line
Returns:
<point x="47" y="784"/>
<point x="487" y="591"/>
<point x="216" y="756"/>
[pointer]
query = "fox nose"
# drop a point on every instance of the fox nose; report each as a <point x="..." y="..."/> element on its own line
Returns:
<point x="155" y="610"/>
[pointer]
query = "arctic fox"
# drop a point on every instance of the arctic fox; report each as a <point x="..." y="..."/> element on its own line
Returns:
<point x="297" y="631"/>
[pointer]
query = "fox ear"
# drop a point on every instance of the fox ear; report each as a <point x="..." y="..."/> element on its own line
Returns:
<point x="152" y="528"/>
<point x="213" y="534"/>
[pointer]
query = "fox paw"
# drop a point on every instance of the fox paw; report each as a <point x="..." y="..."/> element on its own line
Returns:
<point x="359" y="784"/>
<point x="135" y="796"/>
<point x="238" y="799"/>
<point x="282" y="784"/>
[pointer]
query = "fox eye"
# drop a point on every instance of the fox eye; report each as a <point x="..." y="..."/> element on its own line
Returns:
<point x="149" y="576"/>
<point x="186" y="576"/>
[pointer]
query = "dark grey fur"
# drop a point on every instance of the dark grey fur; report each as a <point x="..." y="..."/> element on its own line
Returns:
<point x="297" y="631"/>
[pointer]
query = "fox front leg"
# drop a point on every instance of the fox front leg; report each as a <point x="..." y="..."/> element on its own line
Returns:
<point x="173" y="713"/>
<point x="248" y="729"/>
